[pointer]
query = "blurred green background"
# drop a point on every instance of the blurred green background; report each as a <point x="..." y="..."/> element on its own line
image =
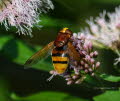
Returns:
<point x="19" y="84"/>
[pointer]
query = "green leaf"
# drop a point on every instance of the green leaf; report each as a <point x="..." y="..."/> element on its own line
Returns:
<point x="107" y="1"/>
<point x="52" y="22"/>
<point x="108" y="96"/>
<point x="110" y="78"/>
<point x="3" y="40"/>
<point x="48" y="96"/>
<point x="18" y="51"/>
<point x="4" y="90"/>
<point x="93" y="81"/>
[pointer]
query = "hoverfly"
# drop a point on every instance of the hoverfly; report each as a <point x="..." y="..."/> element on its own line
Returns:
<point x="61" y="50"/>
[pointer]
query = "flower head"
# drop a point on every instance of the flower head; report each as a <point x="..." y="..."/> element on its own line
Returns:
<point x="106" y="31"/>
<point x="23" y="14"/>
<point x="86" y="64"/>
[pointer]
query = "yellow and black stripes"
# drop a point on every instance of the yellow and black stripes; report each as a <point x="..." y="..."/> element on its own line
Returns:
<point x="60" y="60"/>
<point x="60" y="54"/>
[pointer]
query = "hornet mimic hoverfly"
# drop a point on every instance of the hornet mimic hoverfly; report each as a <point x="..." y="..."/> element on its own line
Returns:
<point x="61" y="50"/>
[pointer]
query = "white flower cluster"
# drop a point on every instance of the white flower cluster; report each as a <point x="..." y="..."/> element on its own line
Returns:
<point x="23" y="14"/>
<point x="106" y="30"/>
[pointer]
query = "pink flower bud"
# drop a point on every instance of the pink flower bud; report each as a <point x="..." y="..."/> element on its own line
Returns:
<point x="91" y="54"/>
<point x="78" y="82"/>
<point x="92" y="61"/>
<point x="95" y="53"/>
<point x="86" y="66"/>
<point x="90" y="45"/>
<point x="86" y="71"/>
<point x="97" y="64"/>
<point x="69" y="82"/>
<point x="87" y="57"/>
<point x="82" y="36"/>
<point x="75" y="77"/>
<point x="68" y="79"/>
<point x="82" y="62"/>
<point x="90" y="70"/>
<point x="92" y="74"/>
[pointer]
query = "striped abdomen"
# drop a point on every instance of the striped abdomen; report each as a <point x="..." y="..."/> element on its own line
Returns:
<point x="60" y="60"/>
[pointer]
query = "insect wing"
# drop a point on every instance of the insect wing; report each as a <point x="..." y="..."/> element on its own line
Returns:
<point x="44" y="52"/>
<point x="73" y="52"/>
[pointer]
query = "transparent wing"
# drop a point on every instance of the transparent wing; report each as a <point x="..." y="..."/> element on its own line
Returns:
<point x="73" y="52"/>
<point x="40" y="54"/>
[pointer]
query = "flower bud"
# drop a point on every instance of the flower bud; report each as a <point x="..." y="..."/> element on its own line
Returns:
<point x="82" y="62"/>
<point x="87" y="57"/>
<point x="92" y="61"/>
<point x="78" y="82"/>
<point x="92" y="74"/>
<point x="68" y="79"/>
<point x="86" y="66"/>
<point x="69" y="82"/>
<point x="90" y="45"/>
<point x="97" y="64"/>
<point x="91" y="54"/>
<point x="90" y="70"/>
<point x="75" y="77"/>
<point x="95" y="54"/>
<point x="86" y="70"/>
